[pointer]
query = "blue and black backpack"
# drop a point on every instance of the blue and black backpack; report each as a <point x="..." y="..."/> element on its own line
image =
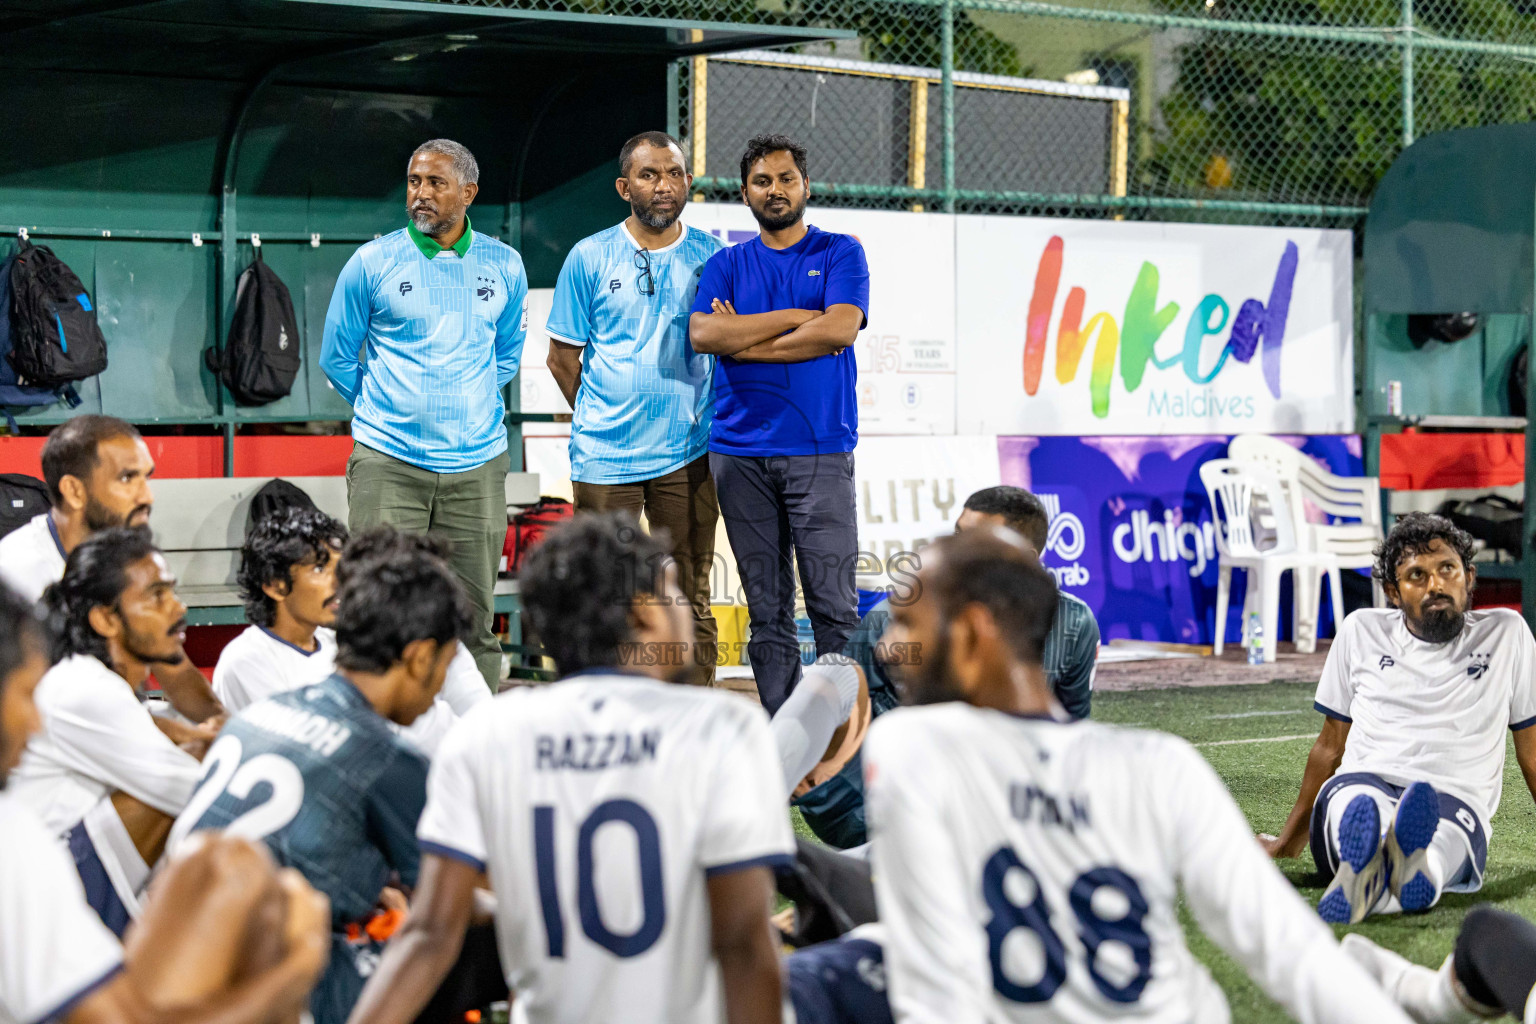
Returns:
<point x="11" y="391"/>
<point x="55" y="339"/>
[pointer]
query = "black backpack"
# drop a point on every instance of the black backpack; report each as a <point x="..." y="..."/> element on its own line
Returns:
<point x="22" y="499"/>
<point x="275" y="497"/>
<point x="1493" y="519"/>
<point x="11" y="392"/>
<point x="54" y="335"/>
<point x="261" y="358"/>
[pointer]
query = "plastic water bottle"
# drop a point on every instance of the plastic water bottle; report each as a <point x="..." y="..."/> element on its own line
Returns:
<point x="1255" y="639"/>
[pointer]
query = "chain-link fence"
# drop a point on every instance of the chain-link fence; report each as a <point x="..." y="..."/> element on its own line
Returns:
<point x="1259" y="111"/>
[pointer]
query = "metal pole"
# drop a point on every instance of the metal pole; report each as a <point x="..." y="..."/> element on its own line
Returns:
<point x="947" y="90"/>
<point x="1407" y="73"/>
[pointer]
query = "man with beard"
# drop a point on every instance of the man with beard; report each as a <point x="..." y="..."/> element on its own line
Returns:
<point x="1032" y="869"/>
<point x="97" y="469"/>
<point x="103" y="773"/>
<point x="781" y="312"/>
<point x="1409" y="766"/>
<point x="225" y="938"/>
<point x="441" y="311"/>
<point x="619" y="350"/>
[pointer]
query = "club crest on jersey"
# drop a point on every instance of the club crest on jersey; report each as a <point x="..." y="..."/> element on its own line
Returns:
<point x="1479" y="665"/>
<point x="1386" y="662"/>
<point x="487" y="289"/>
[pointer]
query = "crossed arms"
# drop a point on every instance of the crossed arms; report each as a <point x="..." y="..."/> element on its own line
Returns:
<point x="782" y="336"/>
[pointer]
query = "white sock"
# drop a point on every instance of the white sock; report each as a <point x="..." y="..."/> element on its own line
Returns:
<point x="803" y="726"/>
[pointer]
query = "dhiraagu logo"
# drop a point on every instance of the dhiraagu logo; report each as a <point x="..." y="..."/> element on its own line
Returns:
<point x="1258" y="328"/>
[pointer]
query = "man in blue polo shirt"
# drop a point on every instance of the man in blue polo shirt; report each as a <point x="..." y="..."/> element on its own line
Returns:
<point x="781" y="312"/>
<point x="618" y="348"/>
<point x="425" y="328"/>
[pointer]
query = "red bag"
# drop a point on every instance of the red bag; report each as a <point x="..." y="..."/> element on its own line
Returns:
<point x="528" y="527"/>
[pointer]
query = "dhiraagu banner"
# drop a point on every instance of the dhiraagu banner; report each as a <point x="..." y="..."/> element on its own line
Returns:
<point x="1109" y="327"/>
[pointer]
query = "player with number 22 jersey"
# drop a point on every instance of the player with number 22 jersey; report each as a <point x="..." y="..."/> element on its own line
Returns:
<point x="335" y="792"/>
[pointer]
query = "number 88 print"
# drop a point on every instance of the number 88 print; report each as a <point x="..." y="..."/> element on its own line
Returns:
<point x="1014" y="896"/>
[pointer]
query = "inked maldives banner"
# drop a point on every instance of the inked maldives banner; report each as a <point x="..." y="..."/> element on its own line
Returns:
<point x="1112" y="327"/>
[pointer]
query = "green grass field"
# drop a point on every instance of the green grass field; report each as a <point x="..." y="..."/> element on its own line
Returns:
<point x="1230" y="725"/>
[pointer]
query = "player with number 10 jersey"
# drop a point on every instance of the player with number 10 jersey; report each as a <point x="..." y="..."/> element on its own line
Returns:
<point x="1028" y="869"/>
<point x="599" y="806"/>
<point x="627" y="825"/>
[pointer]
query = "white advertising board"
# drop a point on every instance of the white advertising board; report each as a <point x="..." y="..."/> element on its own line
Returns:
<point x="1099" y="327"/>
<point x="906" y="355"/>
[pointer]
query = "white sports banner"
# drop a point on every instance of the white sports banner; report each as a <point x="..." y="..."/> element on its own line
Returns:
<point x="910" y="491"/>
<point x="906" y="355"/>
<point x="1099" y="327"/>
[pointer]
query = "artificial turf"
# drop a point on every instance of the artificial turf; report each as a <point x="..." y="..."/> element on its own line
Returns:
<point x="1264" y="777"/>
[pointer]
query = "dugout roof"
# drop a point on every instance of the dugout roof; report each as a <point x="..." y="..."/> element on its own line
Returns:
<point x="414" y="45"/>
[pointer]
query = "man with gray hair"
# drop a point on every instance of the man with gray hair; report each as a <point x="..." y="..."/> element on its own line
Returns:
<point x="441" y="312"/>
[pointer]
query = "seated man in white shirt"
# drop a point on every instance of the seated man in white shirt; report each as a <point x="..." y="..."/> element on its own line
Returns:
<point x="226" y="937"/>
<point x="1409" y="767"/>
<point x="288" y="575"/>
<point x="97" y="469"/>
<point x="103" y="772"/>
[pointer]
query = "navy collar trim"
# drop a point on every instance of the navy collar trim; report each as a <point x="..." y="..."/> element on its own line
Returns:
<point x="285" y="643"/>
<point x="1038" y="716"/>
<point x="53" y="531"/>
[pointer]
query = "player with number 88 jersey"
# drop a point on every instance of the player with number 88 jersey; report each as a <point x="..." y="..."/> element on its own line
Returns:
<point x="1028" y="869"/>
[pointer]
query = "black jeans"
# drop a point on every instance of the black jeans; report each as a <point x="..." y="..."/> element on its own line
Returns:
<point x="780" y="510"/>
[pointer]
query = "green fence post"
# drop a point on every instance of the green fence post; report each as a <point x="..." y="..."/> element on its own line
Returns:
<point x="947" y="91"/>
<point x="1407" y="73"/>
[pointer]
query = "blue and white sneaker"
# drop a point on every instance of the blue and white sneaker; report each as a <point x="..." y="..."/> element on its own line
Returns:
<point x="1362" y="874"/>
<point x="1413" y="827"/>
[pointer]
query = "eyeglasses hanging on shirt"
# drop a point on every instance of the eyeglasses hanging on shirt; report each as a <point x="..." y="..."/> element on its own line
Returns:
<point x="647" y="280"/>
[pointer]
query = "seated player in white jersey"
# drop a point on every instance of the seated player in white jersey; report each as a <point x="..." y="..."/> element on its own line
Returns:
<point x="288" y="574"/>
<point x="103" y="772"/>
<point x="320" y="774"/>
<point x="1409" y="767"/>
<point x="1029" y="868"/>
<point x="628" y="826"/>
<point x="97" y="470"/>
<point x="224" y="938"/>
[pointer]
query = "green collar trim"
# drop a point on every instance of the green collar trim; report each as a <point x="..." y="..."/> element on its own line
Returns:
<point x="430" y="248"/>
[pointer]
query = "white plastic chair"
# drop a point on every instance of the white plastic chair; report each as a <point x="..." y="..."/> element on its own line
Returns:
<point x="1245" y="500"/>
<point x="1346" y="497"/>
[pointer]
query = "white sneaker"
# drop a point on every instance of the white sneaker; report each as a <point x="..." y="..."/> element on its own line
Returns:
<point x="1429" y="997"/>
<point x="1362" y="876"/>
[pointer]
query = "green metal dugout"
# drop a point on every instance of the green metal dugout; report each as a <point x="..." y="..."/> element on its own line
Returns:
<point x="1450" y="230"/>
<point x="149" y="140"/>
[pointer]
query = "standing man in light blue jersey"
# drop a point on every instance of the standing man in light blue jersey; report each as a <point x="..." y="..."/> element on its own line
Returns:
<point x="618" y="347"/>
<point x="425" y="328"/>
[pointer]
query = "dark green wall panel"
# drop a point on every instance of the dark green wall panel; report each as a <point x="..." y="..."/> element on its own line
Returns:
<point x="122" y="154"/>
<point x="153" y="300"/>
